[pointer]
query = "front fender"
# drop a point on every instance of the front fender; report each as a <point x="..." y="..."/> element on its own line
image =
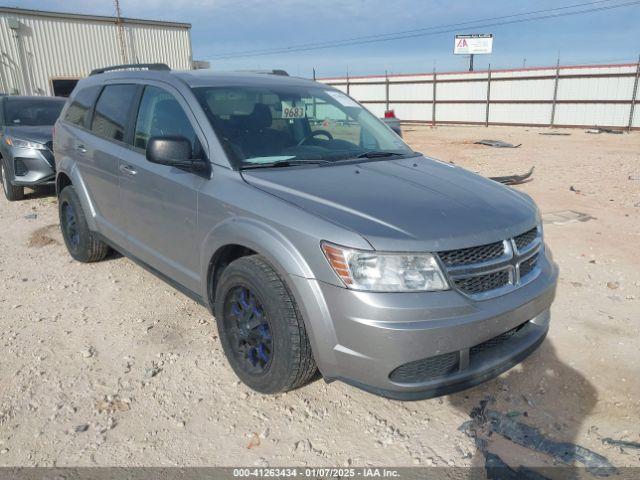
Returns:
<point x="260" y="237"/>
<point x="292" y="267"/>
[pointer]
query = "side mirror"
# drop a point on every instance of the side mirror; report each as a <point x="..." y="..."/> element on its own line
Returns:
<point x="174" y="151"/>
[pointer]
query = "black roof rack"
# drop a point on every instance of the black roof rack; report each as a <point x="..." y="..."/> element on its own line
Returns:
<point x="130" y="66"/>
<point x="282" y="73"/>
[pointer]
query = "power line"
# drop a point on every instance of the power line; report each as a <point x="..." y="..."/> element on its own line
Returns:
<point x="427" y="31"/>
<point x="380" y="35"/>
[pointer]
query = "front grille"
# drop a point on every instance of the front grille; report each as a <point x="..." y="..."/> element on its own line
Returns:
<point x="483" y="283"/>
<point x="20" y="168"/>
<point x="426" y="369"/>
<point x="525" y="239"/>
<point x="467" y="256"/>
<point x="528" y="265"/>
<point x="495" y="341"/>
<point x="502" y="262"/>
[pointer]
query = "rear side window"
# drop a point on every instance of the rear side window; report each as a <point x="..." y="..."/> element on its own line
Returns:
<point x="160" y="115"/>
<point x="112" y="111"/>
<point x="80" y="108"/>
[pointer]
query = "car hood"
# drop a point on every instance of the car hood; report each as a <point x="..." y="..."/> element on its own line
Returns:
<point x="412" y="204"/>
<point x="40" y="134"/>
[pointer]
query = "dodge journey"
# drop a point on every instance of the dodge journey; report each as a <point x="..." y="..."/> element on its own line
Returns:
<point x="318" y="239"/>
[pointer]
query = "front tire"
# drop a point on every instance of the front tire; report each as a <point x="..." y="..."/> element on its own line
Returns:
<point x="80" y="241"/>
<point x="12" y="192"/>
<point x="261" y="329"/>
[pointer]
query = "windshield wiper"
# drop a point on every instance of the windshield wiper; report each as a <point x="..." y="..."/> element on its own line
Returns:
<point x="379" y="154"/>
<point x="283" y="163"/>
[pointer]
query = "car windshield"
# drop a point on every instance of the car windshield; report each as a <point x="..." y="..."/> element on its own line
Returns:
<point x="262" y="126"/>
<point x="32" y="112"/>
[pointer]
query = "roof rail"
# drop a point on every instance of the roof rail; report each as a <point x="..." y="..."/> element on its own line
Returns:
<point x="282" y="73"/>
<point x="130" y="66"/>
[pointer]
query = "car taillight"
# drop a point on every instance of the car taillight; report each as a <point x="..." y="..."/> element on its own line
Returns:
<point x="389" y="114"/>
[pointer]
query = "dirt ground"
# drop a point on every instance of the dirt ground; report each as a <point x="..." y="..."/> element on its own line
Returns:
<point x="104" y="364"/>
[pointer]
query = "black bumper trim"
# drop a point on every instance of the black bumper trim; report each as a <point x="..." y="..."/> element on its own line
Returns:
<point x="471" y="381"/>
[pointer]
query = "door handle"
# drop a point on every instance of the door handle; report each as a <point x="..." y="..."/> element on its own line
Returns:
<point x="81" y="148"/>
<point x="128" y="170"/>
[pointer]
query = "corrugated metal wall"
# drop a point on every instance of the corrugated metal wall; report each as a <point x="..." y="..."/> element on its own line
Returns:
<point x="57" y="47"/>
<point x="561" y="96"/>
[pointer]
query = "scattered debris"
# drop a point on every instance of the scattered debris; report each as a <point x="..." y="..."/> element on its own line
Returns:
<point x="604" y="130"/>
<point x="82" y="428"/>
<point x="634" y="177"/>
<point x="575" y="190"/>
<point x="613" y="285"/>
<point x="565" y="217"/>
<point x="621" y="443"/>
<point x="152" y="371"/>
<point x="88" y="352"/>
<point x="515" y="179"/>
<point x="564" y="134"/>
<point x="255" y="441"/>
<point x="31" y="216"/>
<point x="485" y="423"/>
<point x="497" y="144"/>
<point x="112" y="404"/>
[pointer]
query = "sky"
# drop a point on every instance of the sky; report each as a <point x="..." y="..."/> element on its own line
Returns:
<point x="222" y="27"/>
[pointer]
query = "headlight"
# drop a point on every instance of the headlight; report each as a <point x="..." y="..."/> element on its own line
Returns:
<point x="20" y="143"/>
<point x="385" y="272"/>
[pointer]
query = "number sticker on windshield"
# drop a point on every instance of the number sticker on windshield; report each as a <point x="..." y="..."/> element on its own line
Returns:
<point x="291" y="110"/>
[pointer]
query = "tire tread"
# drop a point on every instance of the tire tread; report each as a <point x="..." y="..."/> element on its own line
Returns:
<point x="302" y="367"/>
<point x="95" y="249"/>
<point x="14" y="193"/>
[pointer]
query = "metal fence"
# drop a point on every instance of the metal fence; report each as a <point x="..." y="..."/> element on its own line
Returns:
<point x="560" y="96"/>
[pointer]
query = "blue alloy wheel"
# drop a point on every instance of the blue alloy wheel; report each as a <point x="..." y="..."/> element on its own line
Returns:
<point x="249" y="330"/>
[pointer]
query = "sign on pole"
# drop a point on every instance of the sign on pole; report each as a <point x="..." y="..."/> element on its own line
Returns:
<point x="474" y="44"/>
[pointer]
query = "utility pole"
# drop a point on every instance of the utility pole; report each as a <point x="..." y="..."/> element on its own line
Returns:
<point x="120" y="27"/>
<point x="471" y="62"/>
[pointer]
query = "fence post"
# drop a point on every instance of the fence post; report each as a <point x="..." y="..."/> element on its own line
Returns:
<point x="386" y="90"/>
<point x="433" y="109"/>
<point x="486" y="119"/>
<point x="347" y="82"/>
<point x="555" y="94"/>
<point x="633" y="96"/>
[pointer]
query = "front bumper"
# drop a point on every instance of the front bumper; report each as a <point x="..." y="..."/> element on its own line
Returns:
<point x="32" y="167"/>
<point x="361" y="338"/>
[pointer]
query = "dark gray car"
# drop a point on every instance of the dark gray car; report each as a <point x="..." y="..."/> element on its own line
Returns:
<point x="26" y="148"/>
<point x="314" y="234"/>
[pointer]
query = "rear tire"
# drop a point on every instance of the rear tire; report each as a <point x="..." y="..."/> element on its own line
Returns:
<point x="261" y="329"/>
<point x="12" y="192"/>
<point x="80" y="241"/>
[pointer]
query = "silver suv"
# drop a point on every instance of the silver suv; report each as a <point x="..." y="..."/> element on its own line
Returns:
<point x="314" y="234"/>
<point x="26" y="149"/>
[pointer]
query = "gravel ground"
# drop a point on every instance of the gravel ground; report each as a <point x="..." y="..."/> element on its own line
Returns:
<point x="106" y="365"/>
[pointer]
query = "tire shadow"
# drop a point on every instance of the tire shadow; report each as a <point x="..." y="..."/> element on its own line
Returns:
<point x="39" y="191"/>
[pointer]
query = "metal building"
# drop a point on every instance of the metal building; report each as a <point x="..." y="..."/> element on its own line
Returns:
<point x="45" y="53"/>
